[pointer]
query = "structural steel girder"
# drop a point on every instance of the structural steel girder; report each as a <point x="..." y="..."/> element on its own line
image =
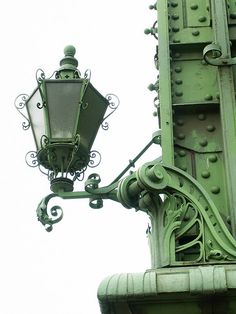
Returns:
<point x="190" y="195"/>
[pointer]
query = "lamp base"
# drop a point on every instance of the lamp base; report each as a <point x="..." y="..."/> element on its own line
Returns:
<point x="62" y="184"/>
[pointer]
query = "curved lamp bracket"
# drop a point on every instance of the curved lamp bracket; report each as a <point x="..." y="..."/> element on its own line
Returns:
<point x="93" y="192"/>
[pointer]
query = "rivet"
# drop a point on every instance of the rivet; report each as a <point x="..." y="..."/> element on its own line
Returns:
<point x="178" y="82"/>
<point x="203" y="142"/>
<point x="218" y="96"/>
<point x="184" y="168"/>
<point x="179" y="94"/>
<point x="175" y="17"/>
<point x="180" y="122"/>
<point x="210" y="128"/>
<point x="195" y="33"/>
<point x="175" y="29"/>
<point x="201" y="116"/>
<point x="182" y="153"/>
<point x="178" y="69"/>
<point x="202" y="19"/>
<point x="181" y="136"/>
<point x="154" y="114"/>
<point x="176" y="41"/>
<point x="205" y="174"/>
<point x="194" y="6"/>
<point x="213" y="158"/>
<point x="215" y="189"/>
<point x="208" y="97"/>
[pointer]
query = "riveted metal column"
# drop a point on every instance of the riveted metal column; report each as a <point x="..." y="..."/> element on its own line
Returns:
<point x="227" y="103"/>
<point x="165" y="84"/>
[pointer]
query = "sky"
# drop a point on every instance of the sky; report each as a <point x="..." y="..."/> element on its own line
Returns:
<point x="59" y="272"/>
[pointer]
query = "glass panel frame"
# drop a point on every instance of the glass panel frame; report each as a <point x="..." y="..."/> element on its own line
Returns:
<point x="63" y="99"/>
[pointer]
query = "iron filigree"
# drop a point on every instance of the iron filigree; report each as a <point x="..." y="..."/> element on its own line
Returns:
<point x="94" y="159"/>
<point x="186" y="223"/>
<point x="40" y="76"/>
<point x="48" y="217"/>
<point x="114" y="103"/>
<point x="31" y="159"/>
<point x="20" y="102"/>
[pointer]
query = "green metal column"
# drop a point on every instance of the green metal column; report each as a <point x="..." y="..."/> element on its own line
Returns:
<point x="165" y="85"/>
<point x="220" y="14"/>
<point x="189" y="195"/>
<point x="202" y="96"/>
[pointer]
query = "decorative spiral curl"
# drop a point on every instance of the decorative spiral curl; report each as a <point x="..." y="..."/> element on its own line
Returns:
<point x="95" y="159"/>
<point x="114" y="103"/>
<point x="19" y="103"/>
<point x="31" y="159"/>
<point x="51" y="216"/>
<point x="40" y="76"/>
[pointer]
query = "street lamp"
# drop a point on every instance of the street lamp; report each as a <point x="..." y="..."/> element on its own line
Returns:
<point x="65" y="113"/>
<point x="189" y="192"/>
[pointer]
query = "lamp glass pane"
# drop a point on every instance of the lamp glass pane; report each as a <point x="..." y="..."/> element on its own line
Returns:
<point x="35" y="110"/>
<point x="63" y="97"/>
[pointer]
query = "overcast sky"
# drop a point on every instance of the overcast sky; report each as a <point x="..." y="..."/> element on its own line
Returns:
<point x="59" y="272"/>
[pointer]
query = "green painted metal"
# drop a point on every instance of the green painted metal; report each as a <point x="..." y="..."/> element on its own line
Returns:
<point x="58" y="112"/>
<point x="188" y="193"/>
<point x="197" y="120"/>
<point x="165" y="86"/>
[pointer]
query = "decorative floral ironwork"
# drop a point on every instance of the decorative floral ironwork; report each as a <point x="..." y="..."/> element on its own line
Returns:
<point x="31" y="158"/>
<point x="20" y="102"/>
<point x="182" y="216"/>
<point x="185" y="222"/>
<point x="114" y="103"/>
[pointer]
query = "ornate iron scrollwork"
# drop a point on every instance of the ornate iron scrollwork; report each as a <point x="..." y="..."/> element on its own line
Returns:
<point x="40" y="76"/>
<point x="185" y="222"/>
<point x="20" y="102"/>
<point x="49" y="217"/>
<point x="212" y="54"/>
<point x="114" y="103"/>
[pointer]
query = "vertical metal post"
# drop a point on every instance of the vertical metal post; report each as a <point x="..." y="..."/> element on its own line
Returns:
<point x="165" y="85"/>
<point x="227" y="103"/>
